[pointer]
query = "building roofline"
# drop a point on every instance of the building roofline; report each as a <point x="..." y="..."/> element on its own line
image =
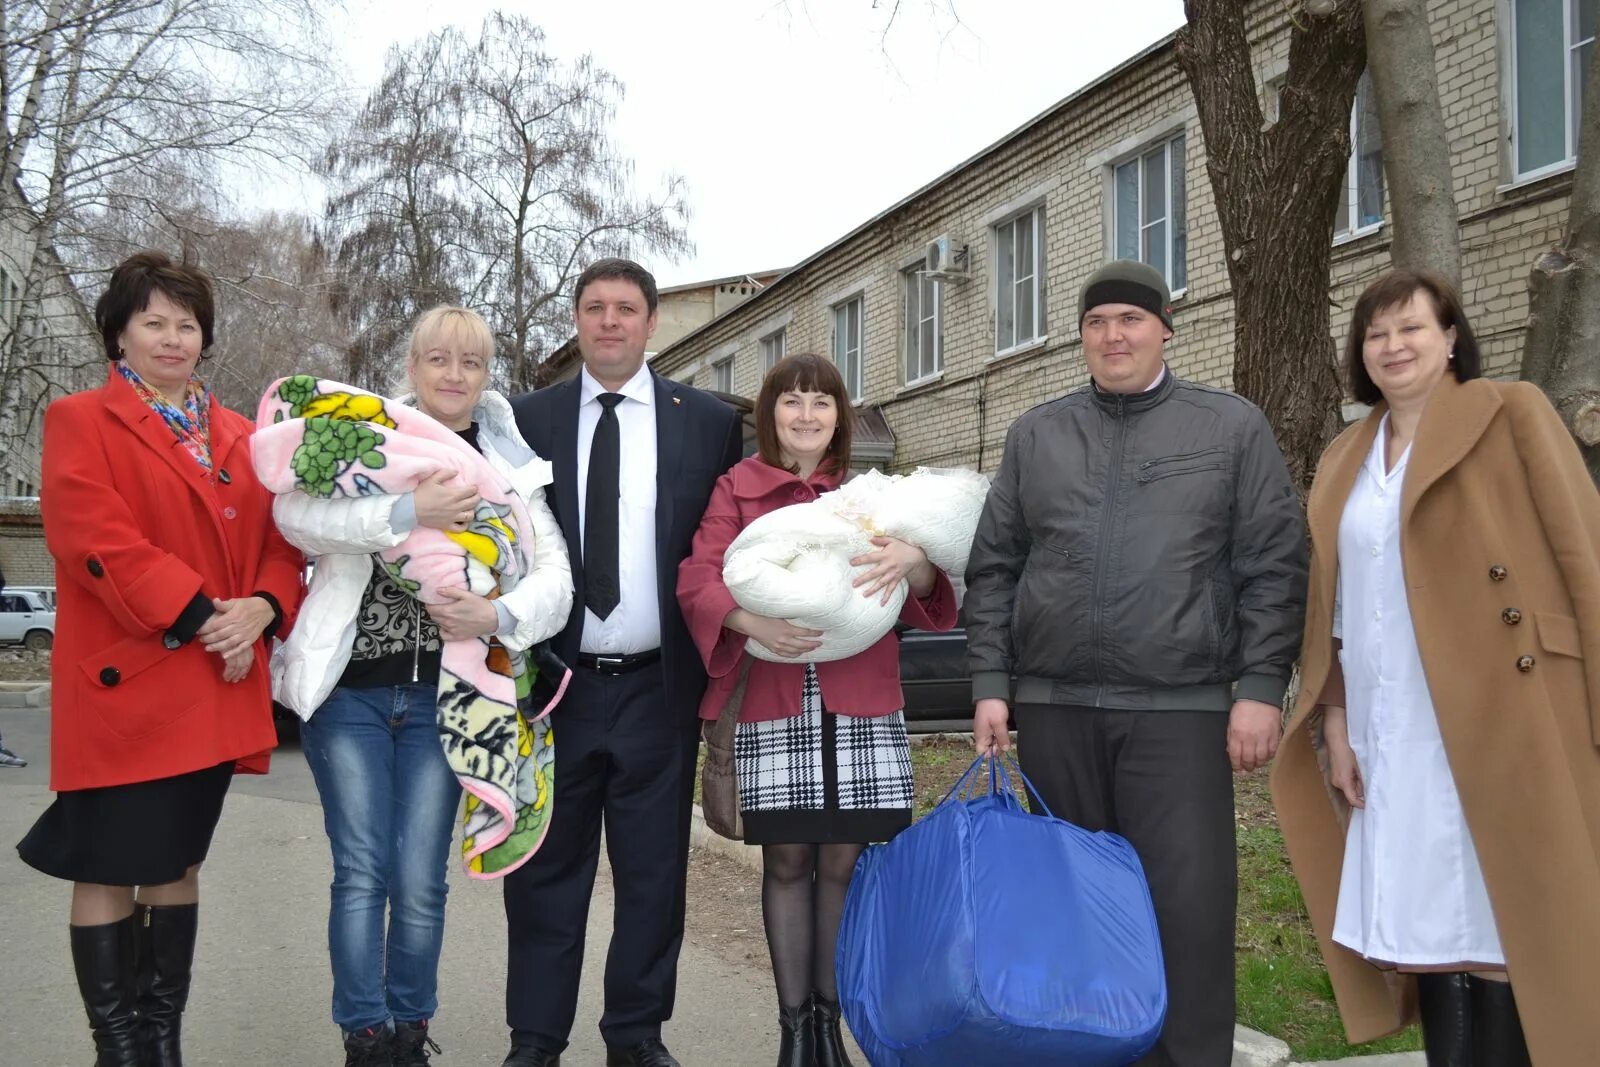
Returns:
<point x="751" y="275"/>
<point x="1042" y="117"/>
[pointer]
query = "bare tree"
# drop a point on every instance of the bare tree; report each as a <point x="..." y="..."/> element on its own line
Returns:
<point x="1416" y="150"/>
<point x="102" y="100"/>
<point x="552" y="192"/>
<point x="482" y="172"/>
<point x="1276" y="188"/>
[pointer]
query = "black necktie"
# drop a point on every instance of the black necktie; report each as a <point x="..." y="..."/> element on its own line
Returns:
<point x="601" y="589"/>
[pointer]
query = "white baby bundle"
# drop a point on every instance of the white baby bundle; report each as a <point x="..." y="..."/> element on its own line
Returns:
<point x="794" y="563"/>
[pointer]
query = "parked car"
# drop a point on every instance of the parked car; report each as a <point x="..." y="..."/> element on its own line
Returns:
<point x="27" y="618"/>
<point x="48" y="592"/>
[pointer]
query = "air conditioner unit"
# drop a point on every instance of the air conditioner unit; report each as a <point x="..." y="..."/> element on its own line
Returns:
<point x="945" y="257"/>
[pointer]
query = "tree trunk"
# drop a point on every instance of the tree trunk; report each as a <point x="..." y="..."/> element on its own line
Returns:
<point x="1561" y="353"/>
<point x="1416" y="148"/>
<point x="1276" y="190"/>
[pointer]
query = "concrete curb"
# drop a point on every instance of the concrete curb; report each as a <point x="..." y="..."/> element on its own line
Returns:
<point x="1250" y="1047"/>
<point x="24" y="694"/>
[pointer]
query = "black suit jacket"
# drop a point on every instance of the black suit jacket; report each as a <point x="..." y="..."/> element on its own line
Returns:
<point x="698" y="437"/>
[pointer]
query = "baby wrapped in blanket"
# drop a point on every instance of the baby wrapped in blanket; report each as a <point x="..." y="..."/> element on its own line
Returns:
<point x="337" y="443"/>
<point x="794" y="563"/>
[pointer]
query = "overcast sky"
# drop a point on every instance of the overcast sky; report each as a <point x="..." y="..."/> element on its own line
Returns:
<point x="794" y="122"/>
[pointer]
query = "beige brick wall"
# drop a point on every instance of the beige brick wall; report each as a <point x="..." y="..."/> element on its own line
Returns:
<point x="1062" y="161"/>
<point x="23" y="556"/>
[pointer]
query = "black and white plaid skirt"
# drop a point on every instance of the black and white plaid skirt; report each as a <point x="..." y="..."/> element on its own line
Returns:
<point x="817" y="777"/>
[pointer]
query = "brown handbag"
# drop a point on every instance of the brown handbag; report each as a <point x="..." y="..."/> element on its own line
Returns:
<point x="719" y="781"/>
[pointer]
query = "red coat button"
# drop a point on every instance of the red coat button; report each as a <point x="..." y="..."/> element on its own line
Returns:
<point x="229" y="513"/>
<point x="802" y="493"/>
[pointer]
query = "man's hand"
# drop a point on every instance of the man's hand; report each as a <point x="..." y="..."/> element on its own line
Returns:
<point x="991" y="732"/>
<point x="463" y="615"/>
<point x="444" y="507"/>
<point x="235" y="625"/>
<point x="1253" y="732"/>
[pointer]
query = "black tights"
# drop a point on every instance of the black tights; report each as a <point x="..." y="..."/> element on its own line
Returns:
<point x="802" y="900"/>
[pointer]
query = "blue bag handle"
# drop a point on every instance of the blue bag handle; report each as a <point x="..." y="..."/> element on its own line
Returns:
<point x="1000" y="766"/>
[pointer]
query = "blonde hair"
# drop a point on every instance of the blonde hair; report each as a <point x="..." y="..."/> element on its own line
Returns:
<point x="450" y="327"/>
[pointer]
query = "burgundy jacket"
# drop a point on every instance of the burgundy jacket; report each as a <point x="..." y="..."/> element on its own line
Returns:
<point x="866" y="684"/>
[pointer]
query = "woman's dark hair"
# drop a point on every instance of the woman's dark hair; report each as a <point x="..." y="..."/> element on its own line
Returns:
<point x="1390" y="291"/>
<point x="804" y="372"/>
<point x="131" y="286"/>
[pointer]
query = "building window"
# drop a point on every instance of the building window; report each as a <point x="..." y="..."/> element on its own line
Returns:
<point x="722" y="375"/>
<point x="1361" y="207"/>
<point x="1019" y="280"/>
<point x="1550" y="43"/>
<point x="924" y="325"/>
<point x="847" y="344"/>
<point x="772" y="346"/>
<point x="1148" y="211"/>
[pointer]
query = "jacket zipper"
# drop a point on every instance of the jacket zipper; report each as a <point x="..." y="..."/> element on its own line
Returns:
<point x="416" y="647"/>
<point x="1106" y="518"/>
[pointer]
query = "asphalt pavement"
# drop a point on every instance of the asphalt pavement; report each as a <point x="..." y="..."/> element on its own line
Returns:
<point x="262" y="986"/>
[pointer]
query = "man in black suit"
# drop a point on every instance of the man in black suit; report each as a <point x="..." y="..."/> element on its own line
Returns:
<point x="635" y="457"/>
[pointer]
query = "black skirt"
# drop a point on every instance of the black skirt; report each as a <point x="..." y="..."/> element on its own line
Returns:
<point x="144" y="833"/>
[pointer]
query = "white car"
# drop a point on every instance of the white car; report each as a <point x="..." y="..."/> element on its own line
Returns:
<point x="27" y="618"/>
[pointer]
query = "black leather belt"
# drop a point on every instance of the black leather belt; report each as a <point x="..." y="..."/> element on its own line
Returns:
<point x="618" y="664"/>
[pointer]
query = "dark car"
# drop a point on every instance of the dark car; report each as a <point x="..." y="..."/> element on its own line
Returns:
<point x="934" y="678"/>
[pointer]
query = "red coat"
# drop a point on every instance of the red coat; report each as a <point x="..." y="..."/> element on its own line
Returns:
<point x="137" y="528"/>
<point x="866" y="684"/>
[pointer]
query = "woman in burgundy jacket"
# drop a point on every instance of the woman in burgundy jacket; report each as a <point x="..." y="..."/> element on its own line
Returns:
<point x="172" y="580"/>
<point x="821" y="751"/>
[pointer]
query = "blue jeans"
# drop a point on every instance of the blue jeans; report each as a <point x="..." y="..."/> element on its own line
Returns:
<point x="389" y="804"/>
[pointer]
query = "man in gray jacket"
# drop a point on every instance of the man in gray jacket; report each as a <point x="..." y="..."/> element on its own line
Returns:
<point x="1140" y="570"/>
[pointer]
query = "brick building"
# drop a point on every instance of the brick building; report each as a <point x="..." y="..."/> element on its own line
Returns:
<point x="954" y="310"/>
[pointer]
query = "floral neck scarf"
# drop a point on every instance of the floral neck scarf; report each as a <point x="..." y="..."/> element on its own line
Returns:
<point x="190" y="423"/>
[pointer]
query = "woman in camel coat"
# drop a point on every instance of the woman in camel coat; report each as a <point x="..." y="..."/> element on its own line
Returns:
<point x="1498" y="534"/>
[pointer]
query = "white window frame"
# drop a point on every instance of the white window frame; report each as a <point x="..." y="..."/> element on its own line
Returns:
<point x="1137" y="160"/>
<point x="914" y="282"/>
<point x="1572" y="104"/>
<point x="1352" y="174"/>
<point x="850" y="359"/>
<point x="722" y="375"/>
<point x="1035" y="331"/>
<point x="773" y="347"/>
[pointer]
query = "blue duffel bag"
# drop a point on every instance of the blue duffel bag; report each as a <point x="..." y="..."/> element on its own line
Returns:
<point x="984" y="936"/>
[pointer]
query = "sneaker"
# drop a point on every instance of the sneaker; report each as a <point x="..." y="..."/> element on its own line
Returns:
<point x="9" y="758"/>
<point x="367" y="1048"/>
<point x="412" y="1044"/>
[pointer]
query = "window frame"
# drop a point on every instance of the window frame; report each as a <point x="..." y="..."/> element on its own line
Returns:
<point x="912" y="279"/>
<point x="1034" y="213"/>
<point x="722" y="374"/>
<point x="854" y="374"/>
<point x="1352" y="173"/>
<point x="1571" y="103"/>
<point x="1137" y="159"/>
<point x="764" y="346"/>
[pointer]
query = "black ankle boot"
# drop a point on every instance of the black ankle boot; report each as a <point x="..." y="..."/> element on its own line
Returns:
<point x="825" y="1023"/>
<point x="371" y="1047"/>
<point x="105" y="959"/>
<point x="798" y="1045"/>
<point x="1445" y="1001"/>
<point x="1497" y="1039"/>
<point x="166" y="958"/>
<point x="412" y="1044"/>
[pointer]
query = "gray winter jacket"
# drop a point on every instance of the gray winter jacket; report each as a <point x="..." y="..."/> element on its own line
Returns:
<point x="1138" y="552"/>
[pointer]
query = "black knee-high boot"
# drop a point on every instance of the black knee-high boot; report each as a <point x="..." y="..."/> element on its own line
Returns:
<point x="830" y="1042"/>
<point x="1497" y="1039"/>
<point x="105" y="959"/>
<point x="797" y="1045"/>
<point x="1445" y="1000"/>
<point x="166" y="959"/>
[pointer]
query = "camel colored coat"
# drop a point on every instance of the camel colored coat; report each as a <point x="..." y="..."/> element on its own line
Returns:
<point x="1500" y="539"/>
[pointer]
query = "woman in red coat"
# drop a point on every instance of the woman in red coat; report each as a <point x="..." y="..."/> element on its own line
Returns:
<point x="821" y="752"/>
<point x="171" y="579"/>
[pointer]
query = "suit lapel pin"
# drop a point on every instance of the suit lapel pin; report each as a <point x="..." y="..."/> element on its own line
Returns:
<point x="677" y="400"/>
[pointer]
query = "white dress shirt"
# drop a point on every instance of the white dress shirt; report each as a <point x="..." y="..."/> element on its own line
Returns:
<point x="1411" y="891"/>
<point x="635" y="624"/>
